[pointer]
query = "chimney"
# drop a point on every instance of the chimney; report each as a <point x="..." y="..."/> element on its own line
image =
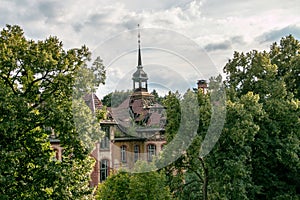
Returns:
<point x="202" y="85"/>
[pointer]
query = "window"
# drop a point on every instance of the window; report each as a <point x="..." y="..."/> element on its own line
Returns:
<point x="136" y="152"/>
<point x="56" y="157"/>
<point x="103" y="170"/>
<point x="57" y="154"/>
<point x="136" y="85"/>
<point x="123" y="154"/>
<point x="143" y="84"/>
<point x="104" y="143"/>
<point x="151" y="151"/>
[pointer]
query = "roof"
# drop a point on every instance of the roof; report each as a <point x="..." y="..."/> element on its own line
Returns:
<point x="129" y="139"/>
<point x="90" y="98"/>
<point x="139" y="74"/>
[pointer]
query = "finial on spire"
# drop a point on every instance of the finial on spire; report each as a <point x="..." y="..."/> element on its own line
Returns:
<point x="139" y="34"/>
<point x="139" y="46"/>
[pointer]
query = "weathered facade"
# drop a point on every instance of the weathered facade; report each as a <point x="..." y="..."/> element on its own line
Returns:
<point x="133" y="131"/>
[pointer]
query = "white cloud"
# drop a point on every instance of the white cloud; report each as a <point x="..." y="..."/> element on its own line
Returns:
<point x="219" y="26"/>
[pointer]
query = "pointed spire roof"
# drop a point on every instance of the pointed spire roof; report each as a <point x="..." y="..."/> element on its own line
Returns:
<point x="139" y="75"/>
<point x="139" y="46"/>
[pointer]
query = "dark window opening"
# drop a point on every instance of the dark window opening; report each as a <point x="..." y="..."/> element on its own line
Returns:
<point x="123" y="154"/>
<point x="136" y="152"/>
<point x="151" y="151"/>
<point x="103" y="170"/>
<point x="104" y="142"/>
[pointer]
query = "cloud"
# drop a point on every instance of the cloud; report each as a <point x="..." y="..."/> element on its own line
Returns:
<point x="244" y="9"/>
<point x="218" y="46"/>
<point x="77" y="27"/>
<point x="212" y="24"/>
<point x="238" y="40"/>
<point x="276" y="34"/>
<point x="153" y="5"/>
<point x="225" y="45"/>
<point x="50" y="9"/>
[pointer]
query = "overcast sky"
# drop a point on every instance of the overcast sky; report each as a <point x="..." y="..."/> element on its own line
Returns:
<point x="182" y="41"/>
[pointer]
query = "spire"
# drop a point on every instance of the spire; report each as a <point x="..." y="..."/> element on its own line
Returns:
<point x="139" y="77"/>
<point x="139" y="44"/>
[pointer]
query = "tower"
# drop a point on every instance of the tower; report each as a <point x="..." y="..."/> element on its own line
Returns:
<point x="140" y="100"/>
<point x="140" y="77"/>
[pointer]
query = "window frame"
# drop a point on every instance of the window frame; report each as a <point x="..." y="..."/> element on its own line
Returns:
<point x="105" y="141"/>
<point x="104" y="169"/>
<point x="136" y="152"/>
<point x="123" y="151"/>
<point x="151" y="152"/>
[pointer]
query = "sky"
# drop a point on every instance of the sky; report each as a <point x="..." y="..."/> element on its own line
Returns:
<point x="181" y="41"/>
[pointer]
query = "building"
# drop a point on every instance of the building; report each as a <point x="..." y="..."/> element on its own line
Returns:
<point x="202" y="85"/>
<point x="133" y="131"/>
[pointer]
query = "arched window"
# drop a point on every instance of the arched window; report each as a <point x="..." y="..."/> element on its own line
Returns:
<point x="123" y="154"/>
<point x="104" y="165"/>
<point x="151" y="151"/>
<point x="136" y="152"/>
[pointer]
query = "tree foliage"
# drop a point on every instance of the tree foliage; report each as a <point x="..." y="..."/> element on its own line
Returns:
<point x="228" y="160"/>
<point x="114" y="99"/>
<point x="274" y="76"/>
<point x="257" y="153"/>
<point x="37" y="84"/>
<point x="143" y="183"/>
<point x="115" y="187"/>
<point x="158" y="99"/>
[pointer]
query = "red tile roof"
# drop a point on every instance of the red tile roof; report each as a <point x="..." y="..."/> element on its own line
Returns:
<point x="88" y="98"/>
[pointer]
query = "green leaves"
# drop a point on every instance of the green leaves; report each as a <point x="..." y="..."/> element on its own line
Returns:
<point x="114" y="99"/>
<point x="274" y="78"/>
<point x="146" y="185"/>
<point x="116" y="187"/>
<point x="37" y="81"/>
<point x="257" y="154"/>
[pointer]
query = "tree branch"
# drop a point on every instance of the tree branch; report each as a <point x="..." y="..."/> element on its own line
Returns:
<point x="9" y="83"/>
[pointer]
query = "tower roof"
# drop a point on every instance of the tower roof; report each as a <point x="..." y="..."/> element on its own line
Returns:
<point x="139" y="74"/>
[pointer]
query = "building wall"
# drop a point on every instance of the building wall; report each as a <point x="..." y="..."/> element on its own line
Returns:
<point x="95" y="154"/>
<point x="96" y="170"/>
<point x="130" y="161"/>
<point x="58" y="150"/>
<point x="113" y="153"/>
<point x="116" y="153"/>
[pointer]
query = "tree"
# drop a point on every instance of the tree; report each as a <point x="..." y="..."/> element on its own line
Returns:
<point x="101" y="114"/>
<point x="114" y="99"/>
<point x="257" y="153"/>
<point x="157" y="98"/>
<point x="225" y="172"/>
<point x="99" y="71"/>
<point x="38" y="81"/>
<point x="172" y="104"/>
<point x="115" y="187"/>
<point x="148" y="184"/>
<point x="286" y="57"/>
<point x="274" y="77"/>
<point x="230" y="161"/>
<point x="143" y="183"/>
